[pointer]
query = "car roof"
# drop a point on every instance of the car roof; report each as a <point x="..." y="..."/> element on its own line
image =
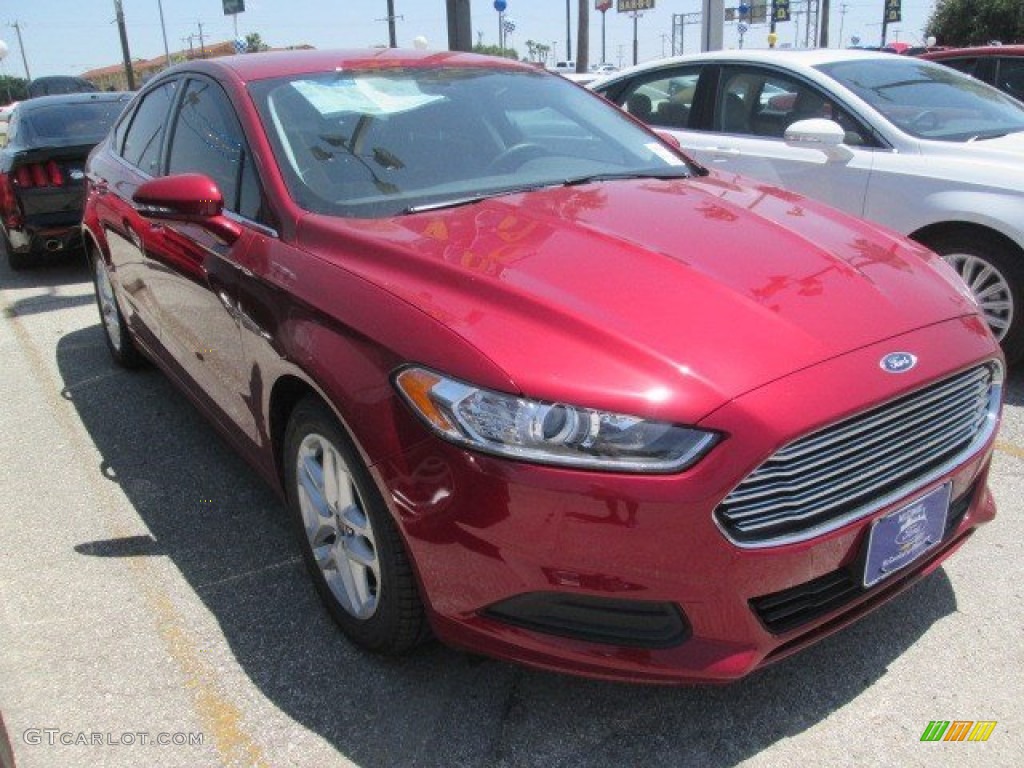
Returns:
<point x="260" y="66"/>
<point x="806" y="58"/>
<point x="29" y="105"/>
<point x="980" y="50"/>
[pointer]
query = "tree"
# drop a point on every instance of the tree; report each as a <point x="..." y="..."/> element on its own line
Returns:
<point x="494" y="50"/>
<point x="976" y="22"/>
<point x="254" y="43"/>
<point x="12" y="89"/>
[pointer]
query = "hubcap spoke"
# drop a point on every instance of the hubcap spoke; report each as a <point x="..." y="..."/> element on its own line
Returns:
<point x="990" y="289"/>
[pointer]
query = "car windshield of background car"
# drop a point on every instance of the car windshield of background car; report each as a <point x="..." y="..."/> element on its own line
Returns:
<point x="930" y="101"/>
<point x="82" y="123"/>
<point x="378" y="143"/>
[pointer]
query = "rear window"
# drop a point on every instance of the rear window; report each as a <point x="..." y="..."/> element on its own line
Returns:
<point x="82" y="123"/>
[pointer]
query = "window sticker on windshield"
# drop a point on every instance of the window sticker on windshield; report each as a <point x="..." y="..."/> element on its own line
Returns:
<point x="664" y="153"/>
<point x="366" y="95"/>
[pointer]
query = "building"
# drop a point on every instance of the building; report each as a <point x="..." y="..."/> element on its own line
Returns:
<point x="113" y="77"/>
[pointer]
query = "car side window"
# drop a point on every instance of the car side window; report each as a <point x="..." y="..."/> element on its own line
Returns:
<point x="1010" y="76"/>
<point x="664" y="100"/>
<point x="144" y="135"/>
<point x="207" y="138"/>
<point x="764" y="103"/>
<point x="966" y="66"/>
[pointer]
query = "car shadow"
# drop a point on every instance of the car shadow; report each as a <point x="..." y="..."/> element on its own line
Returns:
<point x="1013" y="392"/>
<point x="48" y="269"/>
<point x="228" y="535"/>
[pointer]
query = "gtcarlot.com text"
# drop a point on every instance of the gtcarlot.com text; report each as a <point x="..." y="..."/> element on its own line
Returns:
<point x="52" y="737"/>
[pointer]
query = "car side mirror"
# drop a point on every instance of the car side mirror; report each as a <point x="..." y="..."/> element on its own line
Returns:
<point x="815" y="132"/>
<point x="190" y="197"/>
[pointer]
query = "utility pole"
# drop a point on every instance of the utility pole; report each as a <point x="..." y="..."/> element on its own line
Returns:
<point x="583" y="38"/>
<point x="163" y="30"/>
<point x="460" y="29"/>
<point x="202" y="44"/>
<point x="823" y="21"/>
<point x="21" y="46"/>
<point x="123" y="32"/>
<point x="392" y="34"/>
<point x="568" y="32"/>
<point x="842" y="18"/>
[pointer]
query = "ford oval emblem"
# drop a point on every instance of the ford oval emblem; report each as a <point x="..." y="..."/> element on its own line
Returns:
<point x="898" y="362"/>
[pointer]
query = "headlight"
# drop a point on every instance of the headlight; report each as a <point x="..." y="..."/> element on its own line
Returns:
<point x="548" y="433"/>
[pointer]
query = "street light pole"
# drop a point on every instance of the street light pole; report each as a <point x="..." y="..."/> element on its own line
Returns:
<point x="163" y="31"/>
<point x="21" y="47"/>
<point x="129" y="75"/>
<point x="568" y="32"/>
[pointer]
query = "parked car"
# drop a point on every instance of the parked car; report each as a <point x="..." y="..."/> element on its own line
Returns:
<point x="1001" y="66"/>
<point x="919" y="148"/>
<point x="528" y="377"/>
<point x="57" y="85"/>
<point x="42" y="182"/>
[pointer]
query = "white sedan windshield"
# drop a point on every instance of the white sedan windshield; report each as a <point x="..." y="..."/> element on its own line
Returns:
<point x="928" y="100"/>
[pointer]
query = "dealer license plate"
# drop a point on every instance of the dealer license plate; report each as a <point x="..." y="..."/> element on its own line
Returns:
<point x="901" y="537"/>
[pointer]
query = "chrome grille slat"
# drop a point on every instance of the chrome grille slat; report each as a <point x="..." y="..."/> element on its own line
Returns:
<point x="843" y="463"/>
<point x="848" y="470"/>
<point x="867" y="421"/>
<point x="795" y="469"/>
<point x="920" y="456"/>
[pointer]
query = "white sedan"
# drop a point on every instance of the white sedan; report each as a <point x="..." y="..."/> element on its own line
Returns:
<point x="918" y="147"/>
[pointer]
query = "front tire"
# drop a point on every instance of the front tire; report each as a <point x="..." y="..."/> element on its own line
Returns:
<point x="350" y="544"/>
<point x="115" y="330"/>
<point x="995" y="274"/>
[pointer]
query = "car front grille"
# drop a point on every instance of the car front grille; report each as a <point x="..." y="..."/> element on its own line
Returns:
<point x="852" y="468"/>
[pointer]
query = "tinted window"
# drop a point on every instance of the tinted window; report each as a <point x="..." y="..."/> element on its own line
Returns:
<point x="664" y="100"/>
<point x="762" y="102"/>
<point x="962" y="65"/>
<point x="930" y="101"/>
<point x="208" y="139"/>
<point x="145" y="133"/>
<point x="58" y="84"/>
<point x="75" y="123"/>
<point x="1010" y="77"/>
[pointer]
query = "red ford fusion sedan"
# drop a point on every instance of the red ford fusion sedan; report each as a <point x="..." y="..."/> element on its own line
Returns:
<point x="528" y="378"/>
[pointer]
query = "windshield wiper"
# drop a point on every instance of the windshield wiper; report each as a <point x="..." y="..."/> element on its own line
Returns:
<point x="455" y="202"/>
<point x="594" y="177"/>
<point x="573" y="181"/>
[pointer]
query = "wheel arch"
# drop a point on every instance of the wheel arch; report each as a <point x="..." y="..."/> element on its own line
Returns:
<point x="932" y="232"/>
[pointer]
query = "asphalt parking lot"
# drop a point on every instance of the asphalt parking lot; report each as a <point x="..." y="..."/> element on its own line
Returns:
<point x="150" y="591"/>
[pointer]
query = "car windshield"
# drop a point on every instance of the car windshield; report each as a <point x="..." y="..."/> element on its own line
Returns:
<point x="930" y="101"/>
<point x="83" y="122"/>
<point x="379" y="143"/>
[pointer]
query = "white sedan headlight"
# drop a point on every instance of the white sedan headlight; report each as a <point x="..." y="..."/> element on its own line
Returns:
<point x="548" y="433"/>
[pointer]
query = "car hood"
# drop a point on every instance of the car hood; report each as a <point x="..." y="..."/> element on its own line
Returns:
<point x="665" y="298"/>
<point x="998" y="161"/>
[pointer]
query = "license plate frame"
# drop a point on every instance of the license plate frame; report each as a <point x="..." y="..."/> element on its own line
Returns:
<point x="902" y="537"/>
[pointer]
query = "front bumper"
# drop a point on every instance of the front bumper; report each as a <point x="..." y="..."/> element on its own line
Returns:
<point x="494" y="541"/>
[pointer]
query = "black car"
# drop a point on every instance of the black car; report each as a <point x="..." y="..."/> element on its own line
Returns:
<point x="54" y="85"/>
<point x="42" y="185"/>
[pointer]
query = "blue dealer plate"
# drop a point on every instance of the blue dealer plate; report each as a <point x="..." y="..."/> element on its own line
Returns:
<point x="901" y="537"/>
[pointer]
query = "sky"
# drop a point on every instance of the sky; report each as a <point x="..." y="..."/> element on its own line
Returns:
<point x="73" y="36"/>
